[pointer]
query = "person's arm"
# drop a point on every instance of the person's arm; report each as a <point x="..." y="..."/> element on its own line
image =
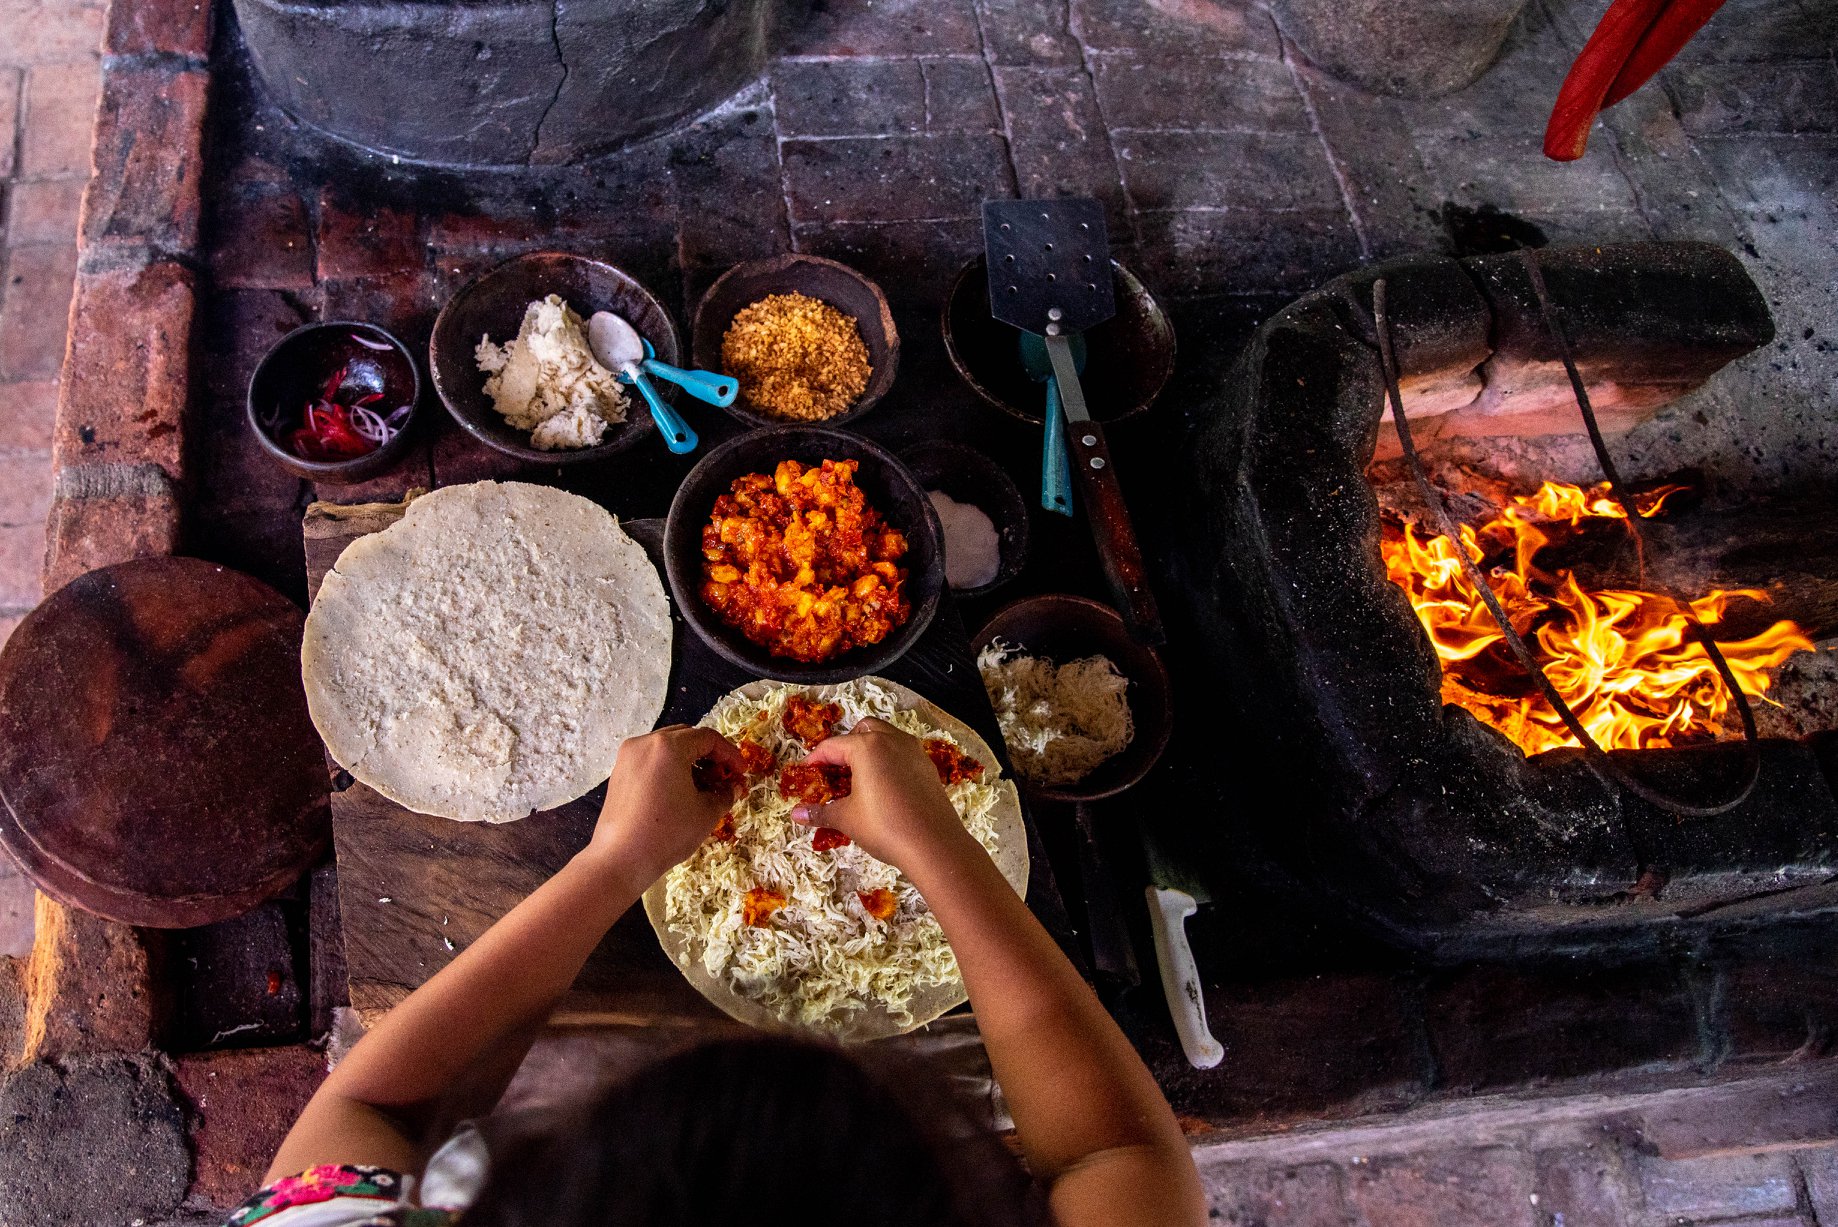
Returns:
<point x="485" y="1005"/>
<point x="1089" y="1116"/>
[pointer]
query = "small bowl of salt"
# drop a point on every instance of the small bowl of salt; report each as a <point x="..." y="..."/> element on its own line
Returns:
<point x="982" y="513"/>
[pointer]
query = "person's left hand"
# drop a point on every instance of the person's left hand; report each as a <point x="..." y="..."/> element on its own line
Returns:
<point x="659" y="805"/>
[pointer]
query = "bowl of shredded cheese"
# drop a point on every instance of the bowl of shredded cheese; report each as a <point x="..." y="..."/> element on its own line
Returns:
<point x="1084" y="709"/>
<point x="810" y="340"/>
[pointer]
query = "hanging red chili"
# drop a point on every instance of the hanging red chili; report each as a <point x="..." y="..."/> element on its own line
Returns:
<point x="1634" y="40"/>
<point x="1579" y="99"/>
<point x="1667" y="37"/>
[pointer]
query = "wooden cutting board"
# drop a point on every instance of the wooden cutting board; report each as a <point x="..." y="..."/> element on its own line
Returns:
<point x="414" y="890"/>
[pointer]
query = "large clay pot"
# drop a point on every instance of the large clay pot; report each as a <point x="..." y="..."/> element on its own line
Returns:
<point x="1411" y="48"/>
<point x="502" y="82"/>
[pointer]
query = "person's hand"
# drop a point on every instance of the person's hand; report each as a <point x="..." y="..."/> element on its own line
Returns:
<point x="896" y="808"/>
<point x="668" y="790"/>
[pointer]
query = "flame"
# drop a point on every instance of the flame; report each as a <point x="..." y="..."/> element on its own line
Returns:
<point x="1621" y="659"/>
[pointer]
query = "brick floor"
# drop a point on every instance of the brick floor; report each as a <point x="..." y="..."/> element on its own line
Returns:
<point x="49" y="64"/>
<point x="1587" y="1161"/>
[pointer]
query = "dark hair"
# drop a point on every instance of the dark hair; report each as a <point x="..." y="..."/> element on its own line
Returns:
<point x="757" y="1130"/>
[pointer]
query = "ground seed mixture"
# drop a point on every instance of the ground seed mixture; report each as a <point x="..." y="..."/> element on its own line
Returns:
<point x="796" y="357"/>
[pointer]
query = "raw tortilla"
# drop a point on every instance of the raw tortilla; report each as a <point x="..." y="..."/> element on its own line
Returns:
<point x="871" y="1020"/>
<point x="483" y="657"/>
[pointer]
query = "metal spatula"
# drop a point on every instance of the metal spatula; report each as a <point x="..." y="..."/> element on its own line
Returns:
<point x="1050" y="274"/>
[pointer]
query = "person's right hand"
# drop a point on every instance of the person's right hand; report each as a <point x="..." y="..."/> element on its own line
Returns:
<point x="896" y="808"/>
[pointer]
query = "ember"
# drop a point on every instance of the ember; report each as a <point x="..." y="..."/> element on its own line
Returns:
<point x="1621" y="659"/>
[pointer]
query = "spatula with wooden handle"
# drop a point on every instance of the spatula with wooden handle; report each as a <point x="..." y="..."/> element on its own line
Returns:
<point x="1050" y="274"/>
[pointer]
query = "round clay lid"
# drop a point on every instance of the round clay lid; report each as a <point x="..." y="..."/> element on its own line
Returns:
<point x="157" y="765"/>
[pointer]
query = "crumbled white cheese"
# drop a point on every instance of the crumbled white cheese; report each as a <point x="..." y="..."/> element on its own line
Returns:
<point x="1060" y="721"/>
<point x="547" y="381"/>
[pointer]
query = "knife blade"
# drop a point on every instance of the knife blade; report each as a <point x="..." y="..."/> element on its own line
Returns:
<point x="1174" y="893"/>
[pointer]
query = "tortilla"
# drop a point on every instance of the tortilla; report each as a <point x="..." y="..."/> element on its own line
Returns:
<point x="485" y="656"/>
<point x="872" y="1020"/>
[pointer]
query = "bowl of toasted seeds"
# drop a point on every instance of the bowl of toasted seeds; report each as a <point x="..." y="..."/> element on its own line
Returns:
<point x="810" y="340"/>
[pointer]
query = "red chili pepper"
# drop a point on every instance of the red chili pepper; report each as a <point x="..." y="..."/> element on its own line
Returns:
<point x="1665" y="39"/>
<point x="1580" y="98"/>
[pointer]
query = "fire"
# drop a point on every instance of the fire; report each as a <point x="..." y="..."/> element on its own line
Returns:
<point x="1622" y="660"/>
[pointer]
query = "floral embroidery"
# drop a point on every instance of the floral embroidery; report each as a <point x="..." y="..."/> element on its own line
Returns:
<point x="315" y="1185"/>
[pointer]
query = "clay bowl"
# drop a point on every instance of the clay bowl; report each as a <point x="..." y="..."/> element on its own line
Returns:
<point x="296" y="371"/>
<point x="889" y="487"/>
<point x="969" y="476"/>
<point x="837" y="284"/>
<point x="1131" y="355"/>
<point x="493" y="305"/>
<point x="1064" y="628"/>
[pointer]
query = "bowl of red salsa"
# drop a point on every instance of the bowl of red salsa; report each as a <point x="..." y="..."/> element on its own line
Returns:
<point x="804" y="554"/>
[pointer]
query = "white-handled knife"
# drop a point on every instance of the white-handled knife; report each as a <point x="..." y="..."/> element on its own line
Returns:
<point x="1174" y="894"/>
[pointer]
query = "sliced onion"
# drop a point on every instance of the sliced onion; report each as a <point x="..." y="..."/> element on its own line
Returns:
<point x="367" y="343"/>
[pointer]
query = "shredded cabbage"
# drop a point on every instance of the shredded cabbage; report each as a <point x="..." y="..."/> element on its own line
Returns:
<point x="822" y="958"/>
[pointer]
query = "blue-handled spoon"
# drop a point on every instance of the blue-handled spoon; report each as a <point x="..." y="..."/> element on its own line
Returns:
<point x="618" y="347"/>
<point x="706" y="386"/>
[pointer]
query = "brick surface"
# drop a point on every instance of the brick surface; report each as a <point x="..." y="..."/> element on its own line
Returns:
<point x="880" y="27"/>
<point x="1249" y="1195"/>
<point x="959" y="96"/>
<point x="11" y="83"/>
<point x="1780" y="990"/>
<point x="1583" y="1187"/>
<point x="1179" y="29"/>
<point x="32" y="311"/>
<point x="1489" y="1187"/>
<point x="27" y="410"/>
<point x="25" y="488"/>
<point x="1502" y="1026"/>
<point x="125" y="386"/>
<point x="1247" y="170"/>
<point x="1057" y="139"/>
<point x="22" y="555"/>
<point x="269" y="247"/>
<point x="1195" y="251"/>
<point x="41" y="32"/>
<point x="88" y="987"/>
<point x="149" y="159"/>
<point x="43" y="211"/>
<point x="60" y="109"/>
<point x="1819" y="1169"/>
<point x="1027" y="32"/>
<point x="726" y="175"/>
<point x="82" y="534"/>
<point x="914" y="262"/>
<point x="1685" y="1190"/>
<point x="1788" y="97"/>
<point x="895" y="178"/>
<point x="170" y="27"/>
<point x="849" y="97"/>
<point x="1225" y="95"/>
<point x="241" y="1104"/>
<point x="367" y="242"/>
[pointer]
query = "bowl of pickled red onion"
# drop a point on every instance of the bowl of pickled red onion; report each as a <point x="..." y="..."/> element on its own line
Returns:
<point x="333" y="402"/>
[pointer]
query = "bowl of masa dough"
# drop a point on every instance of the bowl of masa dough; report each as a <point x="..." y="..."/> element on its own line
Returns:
<point x="510" y="361"/>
